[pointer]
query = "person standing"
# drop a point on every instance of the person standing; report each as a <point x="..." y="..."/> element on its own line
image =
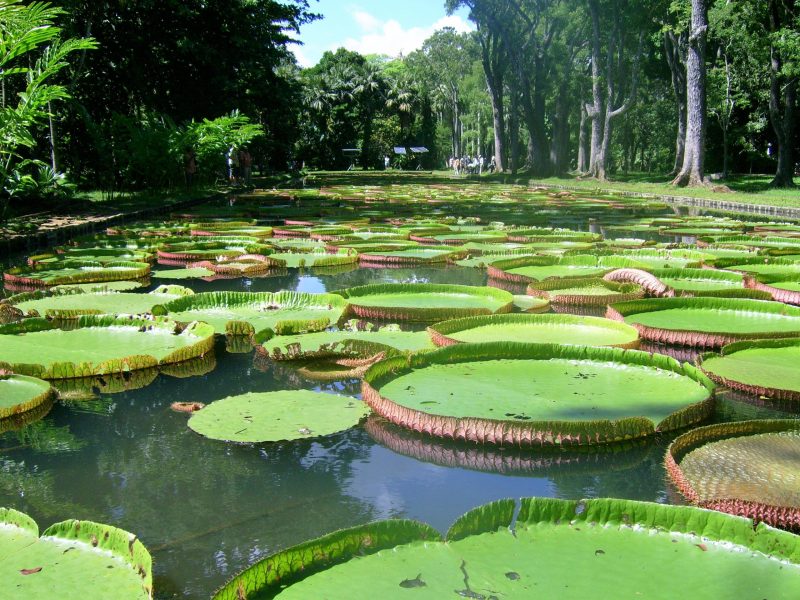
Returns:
<point x="245" y="166"/>
<point x="189" y="166"/>
<point x="233" y="166"/>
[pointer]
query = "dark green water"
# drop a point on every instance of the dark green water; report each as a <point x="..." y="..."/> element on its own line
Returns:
<point x="205" y="509"/>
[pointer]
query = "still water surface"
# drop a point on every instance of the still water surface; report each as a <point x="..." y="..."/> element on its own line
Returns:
<point x="206" y="509"/>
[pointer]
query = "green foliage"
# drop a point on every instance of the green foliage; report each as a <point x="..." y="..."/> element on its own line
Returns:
<point x="32" y="53"/>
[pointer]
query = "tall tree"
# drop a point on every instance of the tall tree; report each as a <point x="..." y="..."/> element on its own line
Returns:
<point x="612" y="23"/>
<point x="691" y="172"/>
<point x="783" y="47"/>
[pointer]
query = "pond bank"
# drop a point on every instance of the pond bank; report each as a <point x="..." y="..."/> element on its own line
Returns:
<point x="59" y="234"/>
<point x="786" y="212"/>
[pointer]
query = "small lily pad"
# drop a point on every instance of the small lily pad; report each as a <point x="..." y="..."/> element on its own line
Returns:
<point x="276" y="416"/>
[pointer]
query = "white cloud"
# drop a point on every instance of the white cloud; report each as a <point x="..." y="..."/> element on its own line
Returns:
<point x="301" y="57"/>
<point x="366" y="21"/>
<point x="391" y="38"/>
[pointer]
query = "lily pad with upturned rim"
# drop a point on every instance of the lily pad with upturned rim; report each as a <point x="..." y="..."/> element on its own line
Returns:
<point x="72" y="560"/>
<point x="344" y="342"/>
<point x="584" y="292"/>
<point x="537" y="394"/>
<point x="707" y="322"/>
<point x="768" y="368"/>
<point x="246" y="313"/>
<point x="71" y="304"/>
<point x="76" y="271"/>
<point x="424" y="302"/>
<point x="96" y="345"/>
<point x="275" y="416"/>
<point x="538" y="329"/>
<point x="747" y="468"/>
<point x="529" y="549"/>
<point x="20" y="394"/>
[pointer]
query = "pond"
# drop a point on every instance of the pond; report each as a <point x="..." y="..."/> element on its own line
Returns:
<point x="206" y="509"/>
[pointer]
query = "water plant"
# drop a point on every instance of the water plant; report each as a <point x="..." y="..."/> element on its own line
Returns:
<point x="537" y="394"/>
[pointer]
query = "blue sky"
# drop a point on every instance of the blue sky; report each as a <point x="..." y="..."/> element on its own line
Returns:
<point x="390" y="27"/>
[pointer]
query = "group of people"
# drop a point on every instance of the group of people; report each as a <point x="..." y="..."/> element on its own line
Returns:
<point x="471" y="165"/>
<point x="240" y="166"/>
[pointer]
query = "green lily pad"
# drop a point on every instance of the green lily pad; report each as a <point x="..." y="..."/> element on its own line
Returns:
<point x="411" y="256"/>
<point x="748" y="468"/>
<point x="530" y="304"/>
<point x="96" y="345"/>
<point x="108" y="286"/>
<point x="246" y="313"/>
<point x="75" y="271"/>
<point x="764" y="367"/>
<point x="99" y="255"/>
<point x="578" y="291"/>
<point x="178" y="274"/>
<point x="20" y="394"/>
<point x="538" y="268"/>
<point x="295" y="260"/>
<point x="495" y="551"/>
<point x="699" y="281"/>
<point x="345" y="343"/>
<point x="70" y="305"/>
<point x="276" y="416"/>
<point x="79" y="559"/>
<point x="538" y="329"/>
<point x="551" y="394"/>
<point x="707" y="322"/>
<point x="424" y="302"/>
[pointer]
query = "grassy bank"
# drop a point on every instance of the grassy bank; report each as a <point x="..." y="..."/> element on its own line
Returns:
<point x="746" y="189"/>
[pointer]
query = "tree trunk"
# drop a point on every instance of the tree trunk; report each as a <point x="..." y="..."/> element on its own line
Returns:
<point x="677" y="67"/>
<point x="494" y="67"/>
<point x="560" y="139"/>
<point x="595" y="109"/>
<point x="498" y="121"/>
<point x="691" y="172"/>
<point x="781" y="92"/>
<point x="513" y="131"/>
<point x="53" y="158"/>
<point x="583" y="158"/>
<point x="615" y="48"/>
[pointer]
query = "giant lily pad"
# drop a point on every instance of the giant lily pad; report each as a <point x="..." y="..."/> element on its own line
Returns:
<point x="537" y="268"/>
<point x="780" y="287"/>
<point x="245" y="313"/>
<point x="344" y="342"/>
<point x="425" y="302"/>
<point x="707" y="322"/>
<point x="295" y="260"/>
<point x="275" y="416"/>
<point x="99" y="255"/>
<point x="72" y="304"/>
<point x="75" y="271"/>
<point x="763" y="367"/>
<point x="497" y="551"/>
<point x="179" y="274"/>
<point x="410" y="256"/>
<point x="539" y="329"/>
<point x="747" y="468"/>
<point x="537" y="394"/>
<point x="72" y="560"/>
<point x="96" y="345"/>
<point x="699" y="282"/>
<point x="578" y="291"/>
<point x="20" y="394"/>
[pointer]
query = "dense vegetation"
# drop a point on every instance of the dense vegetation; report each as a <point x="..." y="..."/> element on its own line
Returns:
<point x="112" y="93"/>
